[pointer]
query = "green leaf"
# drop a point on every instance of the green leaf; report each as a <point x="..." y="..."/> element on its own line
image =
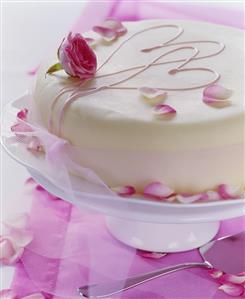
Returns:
<point x="54" y="68"/>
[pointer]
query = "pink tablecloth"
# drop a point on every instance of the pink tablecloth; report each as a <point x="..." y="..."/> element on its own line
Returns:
<point x="71" y="248"/>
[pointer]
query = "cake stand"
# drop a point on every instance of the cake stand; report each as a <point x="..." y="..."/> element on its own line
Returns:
<point x="137" y="222"/>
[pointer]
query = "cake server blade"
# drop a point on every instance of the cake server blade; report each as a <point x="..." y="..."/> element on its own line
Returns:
<point x="225" y="254"/>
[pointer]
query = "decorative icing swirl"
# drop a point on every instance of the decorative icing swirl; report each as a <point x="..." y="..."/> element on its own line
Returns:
<point x="182" y="67"/>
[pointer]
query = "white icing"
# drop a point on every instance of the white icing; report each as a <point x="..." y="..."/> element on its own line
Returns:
<point x="118" y="119"/>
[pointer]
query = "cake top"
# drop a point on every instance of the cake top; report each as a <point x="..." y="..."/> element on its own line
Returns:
<point x="157" y="65"/>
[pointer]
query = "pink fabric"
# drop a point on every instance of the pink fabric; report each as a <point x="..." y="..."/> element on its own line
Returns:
<point x="71" y="248"/>
<point x="219" y="13"/>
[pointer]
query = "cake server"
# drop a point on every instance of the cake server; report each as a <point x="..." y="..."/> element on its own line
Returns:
<point x="225" y="254"/>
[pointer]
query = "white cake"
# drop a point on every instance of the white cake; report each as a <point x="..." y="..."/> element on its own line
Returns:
<point x="117" y="130"/>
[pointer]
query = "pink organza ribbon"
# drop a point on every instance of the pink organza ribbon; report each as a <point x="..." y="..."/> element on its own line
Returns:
<point x="71" y="248"/>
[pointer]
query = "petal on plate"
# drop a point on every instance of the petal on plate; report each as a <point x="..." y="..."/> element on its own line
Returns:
<point x="213" y="195"/>
<point x="152" y="96"/>
<point x="230" y="192"/>
<point x="232" y="289"/>
<point x="22" y="114"/>
<point x="158" y="190"/>
<point x="19" y="221"/>
<point x="216" y="91"/>
<point x="216" y="102"/>
<point x="110" y="29"/>
<point x="230" y="278"/>
<point x="164" y="112"/>
<point x="191" y="198"/>
<point x="8" y="294"/>
<point x="152" y="255"/>
<point x="124" y="190"/>
<point x="215" y="273"/>
<point x="21" y="128"/>
<point x="35" y="146"/>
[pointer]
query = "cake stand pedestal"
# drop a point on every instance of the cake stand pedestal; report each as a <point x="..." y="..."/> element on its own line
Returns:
<point x="160" y="237"/>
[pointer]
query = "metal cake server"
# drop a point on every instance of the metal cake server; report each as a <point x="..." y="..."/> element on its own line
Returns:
<point x="226" y="254"/>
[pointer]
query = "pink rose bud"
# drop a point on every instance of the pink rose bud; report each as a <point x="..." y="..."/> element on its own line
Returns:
<point x="76" y="57"/>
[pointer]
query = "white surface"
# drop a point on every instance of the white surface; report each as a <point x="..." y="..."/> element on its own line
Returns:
<point x="28" y="30"/>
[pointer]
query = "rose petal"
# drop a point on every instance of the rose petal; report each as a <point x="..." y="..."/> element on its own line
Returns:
<point x="110" y="29"/>
<point x="215" y="273"/>
<point x="34" y="296"/>
<point x="8" y="294"/>
<point x="152" y="95"/>
<point x="164" y="112"/>
<point x="10" y="253"/>
<point x="124" y="190"/>
<point x="22" y="114"/>
<point x="230" y="192"/>
<point x="230" y="278"/>
<point x="213" y="195"/>
<point x="157" y="190"/>
<point x="21" y="127"/>
<point x="191" y="198"/>
<point x="232" y="289"/>
<point x="216" y="102"/>
<point x="19" y="221"/>
<point x="217" y="92"/>
<point x="152" y="255"/>
<point x="35" y="146"/>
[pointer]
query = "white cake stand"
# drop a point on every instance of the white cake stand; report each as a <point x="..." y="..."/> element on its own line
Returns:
<point x="140" y="223"/>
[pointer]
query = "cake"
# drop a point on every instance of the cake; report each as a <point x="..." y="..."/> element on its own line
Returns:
<point x="166" y="124"/>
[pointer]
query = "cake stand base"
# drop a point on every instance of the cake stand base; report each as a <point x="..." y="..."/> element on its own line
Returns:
<point x="160" y="237"/>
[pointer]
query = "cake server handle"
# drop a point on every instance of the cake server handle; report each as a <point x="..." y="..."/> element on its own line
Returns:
<point x="104" y="290"/>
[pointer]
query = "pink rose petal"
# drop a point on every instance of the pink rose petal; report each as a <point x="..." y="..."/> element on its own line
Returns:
<point x="152" y="255"/>
<point x="152" y="95"/>
<point x="35" y="146"/>
<point x="232" y="289"/>
<point x="15" y="238"/>
<point x="217" y="96"/>
<point x="21" y="128"/>
<point x="124" y="190"/>
<point x="215" y="273"/>
<point x="213" y="195"/>
<point x="110" y="29"/>
<point x="191" y="198"/>
<point x="230" y="278"/>
<point x="8" y="294"/>
<point x="230" y="192"/>
<point x="217" y="92"/>
<point x="10" y="253"/>
<point x="164" y="112"/>
<point x="22" y="114"/>
<point x="158" y="190"/>
<point x="216" y="102"/>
